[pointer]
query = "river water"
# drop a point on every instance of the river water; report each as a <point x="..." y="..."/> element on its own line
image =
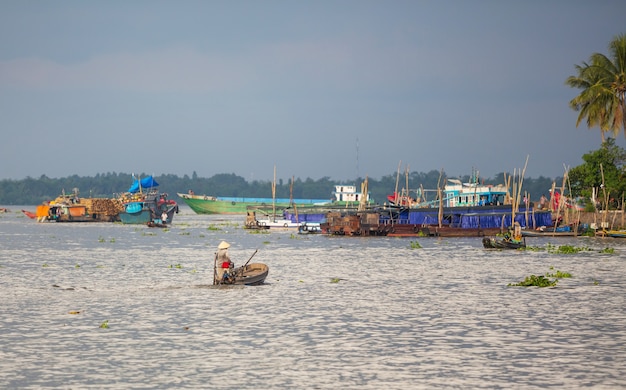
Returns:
<point x="366" y="313"/>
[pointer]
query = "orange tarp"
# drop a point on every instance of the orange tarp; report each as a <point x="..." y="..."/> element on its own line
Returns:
<point x="42" y="210"/>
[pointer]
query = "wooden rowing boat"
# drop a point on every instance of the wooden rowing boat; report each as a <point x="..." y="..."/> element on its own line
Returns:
<point x="252" y="274"/>
<point x="502" y="243"/>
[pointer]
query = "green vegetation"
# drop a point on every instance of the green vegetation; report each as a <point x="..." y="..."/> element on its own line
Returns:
<point x="565" y="249"/>
<point x="335" y="280"/>
<point x="607" y="163"/>
<point x="415" y="245"/>
<point x="541" y="280"/>
<point x="602" y="104"/>
<point x="558" y="274"/>
<point x="536" y="281"/>
<point x="105" y="325"/>
<point x="259" y="231"/>
<point x="602" y="81"/>
<point x="175" y="266"/>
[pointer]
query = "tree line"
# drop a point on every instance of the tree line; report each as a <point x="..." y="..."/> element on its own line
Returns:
<point x="31" y="191"/>
<point x="600" y="179"/>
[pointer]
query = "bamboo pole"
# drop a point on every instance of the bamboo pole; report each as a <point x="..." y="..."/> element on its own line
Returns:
<point x="439" y="196"/>
<point x="395" y="192"/>
<point x="274" y="195"/>
<point x="606" y="202"/>
<point x="408" y="197"/>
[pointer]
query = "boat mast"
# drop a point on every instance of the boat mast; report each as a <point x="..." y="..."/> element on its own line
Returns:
<point x="274" y="195"/>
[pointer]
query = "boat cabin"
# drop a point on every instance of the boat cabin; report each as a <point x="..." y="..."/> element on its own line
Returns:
<point x="348" y="193"/>
<point x="459" y="194"/>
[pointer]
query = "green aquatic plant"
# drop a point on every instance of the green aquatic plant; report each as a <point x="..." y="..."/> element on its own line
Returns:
<point x="415" y="245"/>
<point x="259" y="231"/>
<point x="175" y="266"/>
<point x="543" y="281"/>
<point x="335" y="280"/>
<point x="45" y="265"/>
<point x="213" y="228"/>
<point x="565" y="249"/>
<point x="532" y="248"/>
<point x="266" y="242"/>
<point x="104" y="325"/>
<point x="537" y="281"/>
<point x="184" y="233"/>
<point x="607" y="250"/>
<point x="77" y="266"/>
<point x="100" y="239"/>
<point x="558" y="274"/>
<point x="112" y="240"/>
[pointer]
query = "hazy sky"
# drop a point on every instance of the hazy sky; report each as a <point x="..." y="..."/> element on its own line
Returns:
<point x="173" y="87"/>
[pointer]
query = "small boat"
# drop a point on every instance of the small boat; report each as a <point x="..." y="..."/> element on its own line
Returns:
<point x="503" y="243"/>
<point x="613" y="233"/>
<point x="4" y="210"/>
<point x="143" y="203"/>
<point x="551" y="231"/>
<point x="310" y="228"/>
<point x="252" y="274"/>
<point x="29" y="214"/>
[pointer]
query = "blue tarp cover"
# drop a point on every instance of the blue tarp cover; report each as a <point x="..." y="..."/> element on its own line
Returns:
<point x="146" y="182"/>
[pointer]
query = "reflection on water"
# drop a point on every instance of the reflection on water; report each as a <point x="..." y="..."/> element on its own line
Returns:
<point x="335" y="312"/>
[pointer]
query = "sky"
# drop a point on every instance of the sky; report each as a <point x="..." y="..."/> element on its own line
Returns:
<point x="339" y="89"/>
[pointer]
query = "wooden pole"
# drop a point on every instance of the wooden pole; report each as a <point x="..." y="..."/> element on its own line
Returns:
<point x="274" y="196"/>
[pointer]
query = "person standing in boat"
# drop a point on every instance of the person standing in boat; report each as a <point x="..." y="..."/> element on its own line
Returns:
<point x="223" y="264"/>
<point x="164" y="217"/>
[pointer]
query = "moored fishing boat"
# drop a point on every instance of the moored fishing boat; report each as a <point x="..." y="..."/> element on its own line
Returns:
<point x="205" y="204"/>
<point x="551" y="231"/>
<point x="143" y="203"/>
<point x="344" y="195"/>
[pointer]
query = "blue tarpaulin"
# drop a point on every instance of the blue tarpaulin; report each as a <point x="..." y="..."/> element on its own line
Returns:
<point x="146" y="182"/>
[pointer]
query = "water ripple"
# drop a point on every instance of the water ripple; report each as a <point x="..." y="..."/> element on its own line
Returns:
<point x="335" y="312"/>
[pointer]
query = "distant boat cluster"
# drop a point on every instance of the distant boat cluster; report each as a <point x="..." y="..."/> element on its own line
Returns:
<point x="142" y="203"/>
<point x="459" y="210"/>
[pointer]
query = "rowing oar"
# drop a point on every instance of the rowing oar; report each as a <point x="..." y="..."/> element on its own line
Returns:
<point x="215" y="269"/>
<point x="244" y="266"/>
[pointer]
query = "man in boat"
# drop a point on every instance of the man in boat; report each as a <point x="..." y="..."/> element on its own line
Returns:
<point x="223" y="265"/>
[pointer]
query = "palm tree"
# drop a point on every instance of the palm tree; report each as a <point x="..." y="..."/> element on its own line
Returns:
<point x="602" y="100"/>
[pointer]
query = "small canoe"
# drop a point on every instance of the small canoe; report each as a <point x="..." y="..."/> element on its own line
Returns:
<point x="502" y="243"/>
<point x="252" y="274"/>
<point x="29" y="214"/>
<point x="614" y="233"/>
